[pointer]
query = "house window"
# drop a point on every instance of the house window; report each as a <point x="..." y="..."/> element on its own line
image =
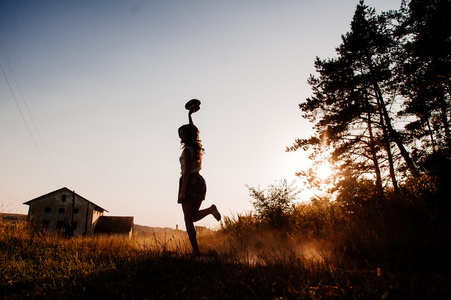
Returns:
<point x="76" y="211"/>
<point x="63" y="198"/>
<point x="47" y="209"/>
<point x="61" y="210"/>
<point x="59" y="224"/>
<point x="45" y="224"/>
<point x="75" y="225"/>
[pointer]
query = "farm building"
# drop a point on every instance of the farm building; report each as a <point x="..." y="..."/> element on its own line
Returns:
<point x="65" y="212"/>
<point x="107" y="225"/>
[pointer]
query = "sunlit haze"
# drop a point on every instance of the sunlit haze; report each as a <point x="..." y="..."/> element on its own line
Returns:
<point x="324" y="171"/>
<point x="106" y="83"/>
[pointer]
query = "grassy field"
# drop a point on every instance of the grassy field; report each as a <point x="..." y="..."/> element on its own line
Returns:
<point x="153" y="266"/>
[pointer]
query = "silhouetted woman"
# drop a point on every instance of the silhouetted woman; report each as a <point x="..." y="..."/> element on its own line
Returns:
<point x="192" y="187"/>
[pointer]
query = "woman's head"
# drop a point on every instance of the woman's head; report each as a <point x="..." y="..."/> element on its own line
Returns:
<point x="189" y="136"/>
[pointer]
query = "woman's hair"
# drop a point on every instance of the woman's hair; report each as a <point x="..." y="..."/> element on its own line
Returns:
<point x="192" y="139"/>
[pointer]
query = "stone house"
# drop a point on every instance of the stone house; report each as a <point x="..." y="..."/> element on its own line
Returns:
<point x="65" y="212"/>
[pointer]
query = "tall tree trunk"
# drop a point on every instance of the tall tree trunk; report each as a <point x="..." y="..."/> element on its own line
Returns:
<point x="390" y="162"/>
<point x="383" y="123"/>
<point x="393" y="134"/>
<point x="444" y="117"/>
<point x="377" y="169"/>
<point x="431" y="134"/>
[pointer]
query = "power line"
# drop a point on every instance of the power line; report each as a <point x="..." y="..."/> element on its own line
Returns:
<point x="31" y="117"/>
<point x="26" y="124"/>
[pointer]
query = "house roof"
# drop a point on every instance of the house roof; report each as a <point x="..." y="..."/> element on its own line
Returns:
<point x="66" y="189"/>
<point x="107" y="224"/>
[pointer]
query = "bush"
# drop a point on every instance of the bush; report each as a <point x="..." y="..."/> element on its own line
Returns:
<point x="275" y="205"/>
<point x="319" y="218"/>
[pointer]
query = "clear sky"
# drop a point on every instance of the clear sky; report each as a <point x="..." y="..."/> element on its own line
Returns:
<point x="106" y="83"/>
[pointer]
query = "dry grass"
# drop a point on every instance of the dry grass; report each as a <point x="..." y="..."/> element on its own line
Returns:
<point x="266" y="265"/>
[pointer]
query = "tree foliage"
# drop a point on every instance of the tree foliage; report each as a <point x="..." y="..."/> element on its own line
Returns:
<point x="391" y="69"/>
<point x="425" y="66"/>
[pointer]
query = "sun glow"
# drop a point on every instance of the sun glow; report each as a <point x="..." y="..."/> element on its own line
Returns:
<point x="324" y="171"/>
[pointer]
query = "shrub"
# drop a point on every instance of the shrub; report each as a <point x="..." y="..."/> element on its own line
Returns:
<point x="275" y="205"/>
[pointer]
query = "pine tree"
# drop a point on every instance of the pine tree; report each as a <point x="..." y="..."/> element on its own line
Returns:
<point x="352" y="98"/>
<point x="425" y="70"/>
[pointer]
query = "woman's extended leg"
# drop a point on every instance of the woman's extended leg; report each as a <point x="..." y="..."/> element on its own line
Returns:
<point x="200" y="214"/>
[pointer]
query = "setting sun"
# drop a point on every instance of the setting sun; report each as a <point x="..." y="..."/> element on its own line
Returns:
<point x="324" y="171"/>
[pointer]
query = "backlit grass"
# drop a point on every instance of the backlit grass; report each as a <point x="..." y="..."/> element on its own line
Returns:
<point x="268" y="266"/>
